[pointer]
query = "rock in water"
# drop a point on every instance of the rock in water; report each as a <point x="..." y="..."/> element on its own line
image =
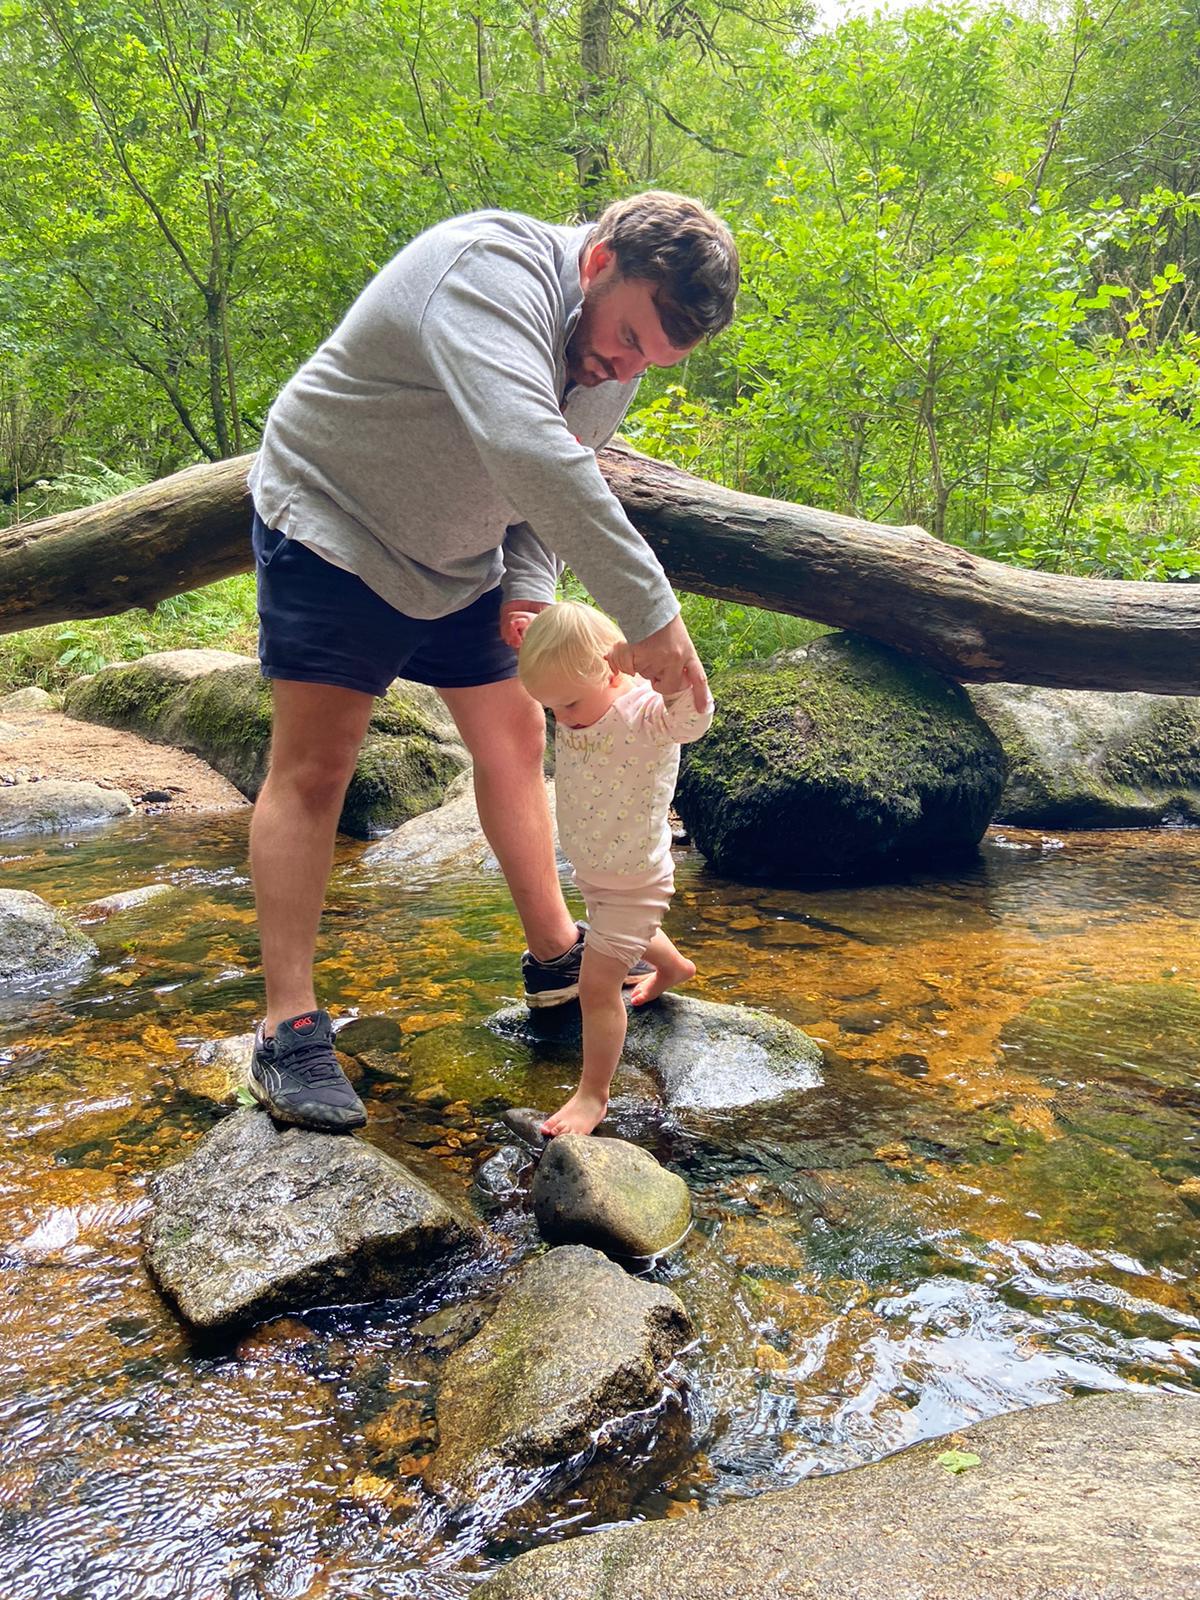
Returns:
<point x="36" y="945"/>
<point x="568" y="1373"/>
<point x="259" y="1220"/>
<point x="844" y="759"/>
<point x="611" y="1194"/>
<point x="1085" y="1500"/>
<point x="704" y="1056"/>
<point x="1078" y="758"/>
<point x="53" y="804"/>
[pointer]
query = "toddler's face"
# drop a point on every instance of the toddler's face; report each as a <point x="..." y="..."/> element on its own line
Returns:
<point x="578" y="705"/>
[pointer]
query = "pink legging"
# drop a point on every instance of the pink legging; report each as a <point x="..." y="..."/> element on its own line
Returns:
<point x="622" y="922"/>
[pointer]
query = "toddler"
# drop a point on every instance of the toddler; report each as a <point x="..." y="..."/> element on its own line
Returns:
<point x="616" y="748"/>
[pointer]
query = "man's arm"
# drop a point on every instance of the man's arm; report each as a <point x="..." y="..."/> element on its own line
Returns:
<point x="668" y="661"/>
<point x="489" y="333"/>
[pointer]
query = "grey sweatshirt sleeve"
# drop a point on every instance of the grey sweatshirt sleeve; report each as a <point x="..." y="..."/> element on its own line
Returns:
<point x="488" y="334"/>
<point x="531" y="572"/>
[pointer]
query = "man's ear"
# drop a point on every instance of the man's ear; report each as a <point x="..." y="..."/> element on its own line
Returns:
<point x="596" y="258"/>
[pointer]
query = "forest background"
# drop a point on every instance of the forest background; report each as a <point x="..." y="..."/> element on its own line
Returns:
<point x="970" y="236"/>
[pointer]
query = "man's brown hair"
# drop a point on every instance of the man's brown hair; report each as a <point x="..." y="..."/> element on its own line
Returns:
<point x="683" y="248"/>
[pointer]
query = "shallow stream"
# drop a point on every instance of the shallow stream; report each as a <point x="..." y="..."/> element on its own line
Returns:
<point x="980" y="1209"/>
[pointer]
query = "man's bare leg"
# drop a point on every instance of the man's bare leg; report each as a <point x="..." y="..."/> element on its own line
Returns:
<point x="315" y="738"/>
<point x="505" y="731"/>
<point x="670" y="968"/>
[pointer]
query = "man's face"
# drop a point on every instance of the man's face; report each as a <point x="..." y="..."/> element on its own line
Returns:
<point x="618" y="334"/>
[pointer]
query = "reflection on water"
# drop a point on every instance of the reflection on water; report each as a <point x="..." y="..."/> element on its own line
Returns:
<point x="988" y="1203"/>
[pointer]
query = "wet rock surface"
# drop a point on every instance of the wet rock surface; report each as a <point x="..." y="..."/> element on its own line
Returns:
<point x="1089" y="1499"/>
<point x="258" y="1220"/>
<point x="842" y="759"/>
<point x="36" y="944"/>
<point x="703" y="1055"/>
<point x="610" y="1194"/>
<point x="55" y="804"/>
<point x="1080" y="758"/>
<point x="567" y="1373"/>
<point x="110" y="905"/>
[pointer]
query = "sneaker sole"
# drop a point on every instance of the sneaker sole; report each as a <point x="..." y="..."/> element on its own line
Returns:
<point x="560" y="997"/>
<point x="290" y="1118"/>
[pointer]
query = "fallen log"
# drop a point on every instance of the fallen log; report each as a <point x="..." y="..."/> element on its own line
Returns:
<point x="975" y="620"/>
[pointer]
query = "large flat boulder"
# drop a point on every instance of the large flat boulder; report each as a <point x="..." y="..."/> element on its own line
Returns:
<point x="36" y="945"/>
<point x="568" y="1373"/>
<point x="704" y="1056"/>
<point x="218" y="706"/>
<point x="1084" y="1500"/>
<point x="1080" y="758"/>
<point x="259" y="1220"/>
<point x="842" y="759"/>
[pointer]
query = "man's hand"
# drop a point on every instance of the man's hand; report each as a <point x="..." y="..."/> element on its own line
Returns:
<point x="667" y="659"/>
<point x="515" y="617"/>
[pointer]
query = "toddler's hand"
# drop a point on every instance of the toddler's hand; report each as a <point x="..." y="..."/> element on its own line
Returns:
<point x="515" y="617"/>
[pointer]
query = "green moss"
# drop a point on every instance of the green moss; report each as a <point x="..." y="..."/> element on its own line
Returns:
<point x="134" y="698"/>
<point x="395" y="779"/>
<point x="1164" y="754"/>
<point x="225" y="718"/>
<point x="836" y="759"/>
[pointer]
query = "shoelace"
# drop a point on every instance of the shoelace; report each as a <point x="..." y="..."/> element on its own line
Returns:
<point x="311" y="1060"/>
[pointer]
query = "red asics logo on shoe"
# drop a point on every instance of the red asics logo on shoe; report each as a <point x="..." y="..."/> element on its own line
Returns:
<point x="303" y="1022"/>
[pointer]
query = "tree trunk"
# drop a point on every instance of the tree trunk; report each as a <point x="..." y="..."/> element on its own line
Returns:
<point x="975" y="620"/>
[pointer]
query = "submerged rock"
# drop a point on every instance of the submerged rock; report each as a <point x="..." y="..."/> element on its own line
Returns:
<point x="127" y="900"/>
<point x="608" y="1193"/>
<point x="36" y="944"/>
<point x="53" y="804"/>
<point x="218" y="706"/>
<point x="258" y="1220"/>
<point x="1079" y="758"/>
<point x="568" y="1373"/>
<point x="840" y="759"/>
<point x="1085" y="1500"/>
<point x="703" y="1056"/>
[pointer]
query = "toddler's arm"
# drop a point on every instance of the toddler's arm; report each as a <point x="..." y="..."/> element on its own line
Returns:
<point x="675" y="720"/>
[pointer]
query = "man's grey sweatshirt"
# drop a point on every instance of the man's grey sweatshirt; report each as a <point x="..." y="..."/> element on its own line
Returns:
<point x="426" y="445"/>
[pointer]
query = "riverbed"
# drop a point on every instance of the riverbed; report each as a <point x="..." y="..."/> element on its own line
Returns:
<point x="984" y="1206"/>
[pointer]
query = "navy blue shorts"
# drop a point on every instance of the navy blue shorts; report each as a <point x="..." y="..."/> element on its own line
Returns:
<point x="321" y="624"/>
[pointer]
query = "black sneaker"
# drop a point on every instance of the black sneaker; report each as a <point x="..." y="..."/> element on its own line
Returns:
<point x="553" y="983"/>
<point x="296" y="1077"/>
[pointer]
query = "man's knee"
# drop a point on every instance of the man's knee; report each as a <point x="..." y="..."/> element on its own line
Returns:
<point x="517" y="739"/>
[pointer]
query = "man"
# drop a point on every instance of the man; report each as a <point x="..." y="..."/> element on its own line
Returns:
<point x="421" y="481"/>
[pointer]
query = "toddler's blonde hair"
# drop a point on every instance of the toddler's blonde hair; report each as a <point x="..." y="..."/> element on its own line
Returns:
<point x="569" y="642"/>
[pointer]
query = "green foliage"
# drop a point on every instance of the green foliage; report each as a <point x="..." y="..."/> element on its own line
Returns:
<point x="970" y="238"/>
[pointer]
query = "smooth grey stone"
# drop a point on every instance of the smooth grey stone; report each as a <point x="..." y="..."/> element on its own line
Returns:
<point x="50" y="805"/>
<point x="1089" y="1499"/>
<point x="610" y="1194"/>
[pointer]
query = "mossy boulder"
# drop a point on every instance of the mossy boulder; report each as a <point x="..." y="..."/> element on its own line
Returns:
<point x="1078" y="758"/>
<point x="218" y="706"/>
<point x="842" y="759"/>
<point x="564" y="1387"/>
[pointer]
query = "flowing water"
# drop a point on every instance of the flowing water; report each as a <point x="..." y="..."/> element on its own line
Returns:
<point x="989" y="1203"/>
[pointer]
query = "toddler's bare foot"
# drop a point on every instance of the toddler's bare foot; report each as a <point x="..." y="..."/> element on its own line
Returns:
<point x="667" y="973"/>
<point x="580" y="1114"/>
